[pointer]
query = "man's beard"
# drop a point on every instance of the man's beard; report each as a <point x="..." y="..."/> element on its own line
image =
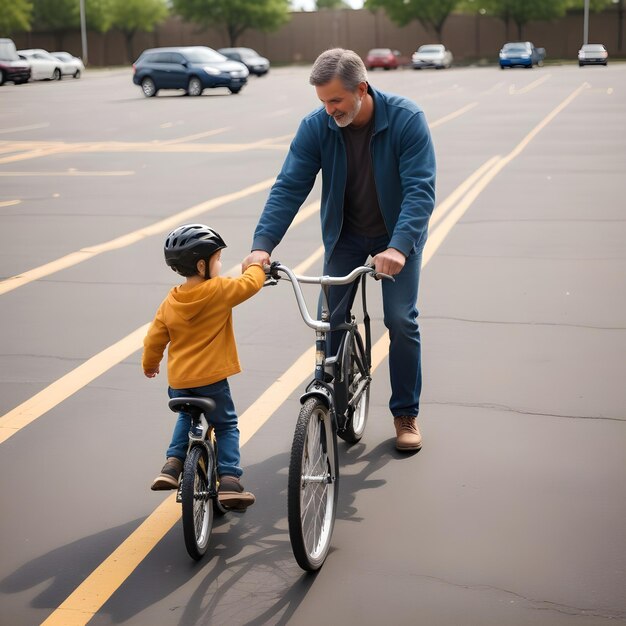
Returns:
<point x="347" y="118"/>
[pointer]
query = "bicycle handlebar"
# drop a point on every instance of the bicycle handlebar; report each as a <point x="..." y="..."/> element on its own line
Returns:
<point x="273" y="272"/>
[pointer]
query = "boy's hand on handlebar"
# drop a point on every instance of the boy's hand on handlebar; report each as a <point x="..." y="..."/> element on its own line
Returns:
<point x="256" y="256"/>
<point x="390" y="262"/>
<point x="152" y="372"/>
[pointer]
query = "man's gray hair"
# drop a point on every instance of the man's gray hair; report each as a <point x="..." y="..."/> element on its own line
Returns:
<point x="338" y="63"/>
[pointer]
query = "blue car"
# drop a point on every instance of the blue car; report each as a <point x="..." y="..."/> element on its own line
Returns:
<point x="521" y="54"/>
<point x="192" y="69"/>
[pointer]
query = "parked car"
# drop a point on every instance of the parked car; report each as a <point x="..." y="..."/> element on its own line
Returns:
<point x="382" y="57"/>
<point x="431" y="55"/>
<point x="71" y="65"/>
<point x="255" y="63"/>
<point x="192" y="68"/>
<point x="12" y="68"/>
<point x="43" y="65"/>
<point x="521" y="53"/>
<point x="593" y="54"/>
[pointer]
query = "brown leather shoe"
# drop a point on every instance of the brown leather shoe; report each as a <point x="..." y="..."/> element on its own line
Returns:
<point x="408" y="438"/>
<point x="168" y="478"/>
<point x="232" y="495"/>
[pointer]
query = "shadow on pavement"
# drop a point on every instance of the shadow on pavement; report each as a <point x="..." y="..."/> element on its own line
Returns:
<point x="248" y="576"/>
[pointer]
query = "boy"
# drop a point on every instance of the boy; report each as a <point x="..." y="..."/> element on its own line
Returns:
<point x="196" y="320"/>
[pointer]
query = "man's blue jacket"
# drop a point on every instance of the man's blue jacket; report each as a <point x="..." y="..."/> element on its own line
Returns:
<point x="404" y="171"/>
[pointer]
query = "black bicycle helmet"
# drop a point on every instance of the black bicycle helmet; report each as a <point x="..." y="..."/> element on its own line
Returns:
<point x="188" y="244"/>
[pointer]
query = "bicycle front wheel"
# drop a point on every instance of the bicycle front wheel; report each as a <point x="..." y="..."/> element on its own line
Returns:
<point x="312" y="485"/>
<point x="195" y="496"/>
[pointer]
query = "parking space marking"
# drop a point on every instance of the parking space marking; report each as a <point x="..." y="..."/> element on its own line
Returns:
<point x="34" y="150"/>
<point x="208" y="133"/>
<point x="529" y="87"/>
<point x="9" y="203"/>
<point x="61" y="389"/>
<point x="19" y="129"/>
<point x="70" y="172"/>
<point x="157" y="228"/>
<point x="52" y="395"/>
<point x="443" y="207"/>
<point x="453" y="115"/>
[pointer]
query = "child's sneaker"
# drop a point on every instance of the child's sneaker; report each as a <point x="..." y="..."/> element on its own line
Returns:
<point x="232" y="496"/>
<point x="168" y="478"/>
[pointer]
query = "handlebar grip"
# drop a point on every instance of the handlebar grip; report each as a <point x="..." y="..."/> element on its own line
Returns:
<point x="379" y="275"/>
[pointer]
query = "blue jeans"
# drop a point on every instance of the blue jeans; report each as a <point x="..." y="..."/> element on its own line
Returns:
<point x="224" y="420"/>
<point x="400" y="315"/>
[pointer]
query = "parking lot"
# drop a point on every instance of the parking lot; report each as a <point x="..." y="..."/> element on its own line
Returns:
<point x="512" y="513"/>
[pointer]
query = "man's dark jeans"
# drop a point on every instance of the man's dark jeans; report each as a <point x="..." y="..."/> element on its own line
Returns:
<point x="400" y="315"/>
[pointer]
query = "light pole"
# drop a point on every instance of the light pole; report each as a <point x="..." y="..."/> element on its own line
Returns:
<point x="83" y="31"/>
<point x="586" y="23"/>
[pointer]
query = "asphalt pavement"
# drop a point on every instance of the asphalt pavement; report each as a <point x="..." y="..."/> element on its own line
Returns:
<point x="514" y="511"/>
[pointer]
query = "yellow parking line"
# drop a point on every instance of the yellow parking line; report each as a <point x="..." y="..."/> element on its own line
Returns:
<point x="125" y="240"/>
<point x="208" y="133"/>
<point x="443" y="207"/>
<point x="530" y="87"/>
<point x="67" y="385"/>
<point x="98" y="587"/>
<point x="77" y="173"/>
<point x="9" y="203"/>
<point x="51" y="396"/>
<point x="453" y="115"/>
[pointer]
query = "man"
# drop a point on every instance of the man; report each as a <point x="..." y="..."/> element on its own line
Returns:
<point x="378" y="192"/>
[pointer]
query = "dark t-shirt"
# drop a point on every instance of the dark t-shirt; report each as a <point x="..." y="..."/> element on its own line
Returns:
<point x="361" y="213"/>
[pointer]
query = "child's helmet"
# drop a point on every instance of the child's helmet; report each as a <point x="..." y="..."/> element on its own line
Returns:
<point x="188" y="244"/>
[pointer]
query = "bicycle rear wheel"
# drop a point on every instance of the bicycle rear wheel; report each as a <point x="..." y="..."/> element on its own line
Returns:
<point x="196" y="504"/>
<point x="312" y="485"/>
<point x="356" y="375"/>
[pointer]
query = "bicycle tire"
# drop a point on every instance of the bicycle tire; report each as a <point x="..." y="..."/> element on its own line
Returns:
<point x="355" y="370"/>
<point x="218" y="509"/>
<point x="312" y="485"/>
<point x="197" y="510"/>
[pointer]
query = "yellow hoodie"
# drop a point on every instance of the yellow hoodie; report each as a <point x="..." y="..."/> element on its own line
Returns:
<point x="198" y="325"/>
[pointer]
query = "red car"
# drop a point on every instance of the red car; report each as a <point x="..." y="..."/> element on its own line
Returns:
<point x="382" y="57"/>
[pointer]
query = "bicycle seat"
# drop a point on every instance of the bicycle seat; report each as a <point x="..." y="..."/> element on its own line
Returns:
<point x="192" y="405"/>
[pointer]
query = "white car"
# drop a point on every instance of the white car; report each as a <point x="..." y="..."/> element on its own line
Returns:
<point x="43" y="66"/>
<point x="431" y="55"/>
<point x="71" y="65"/>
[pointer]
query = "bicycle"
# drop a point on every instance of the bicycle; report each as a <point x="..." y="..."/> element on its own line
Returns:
<point x="198" y="487"/>
<point x="334" y="404"/>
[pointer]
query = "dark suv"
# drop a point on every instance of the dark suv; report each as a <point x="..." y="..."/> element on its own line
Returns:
<point x="192" y="68"/>
<point x="12" y="68"/>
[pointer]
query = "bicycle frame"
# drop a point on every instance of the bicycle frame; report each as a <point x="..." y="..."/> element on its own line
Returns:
<point x="200" y="432"/>
<point x="329" y="382"/>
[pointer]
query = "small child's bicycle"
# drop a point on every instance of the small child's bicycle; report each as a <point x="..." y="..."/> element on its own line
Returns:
<point x="198" y="487"/>
<point x="335" y="404"/>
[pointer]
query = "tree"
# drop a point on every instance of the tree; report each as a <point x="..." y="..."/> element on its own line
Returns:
<point x="129" y="16"/>
<point x="594" y="5"/>
<point x="432" y="14"/>
<point x="332" y="4"/>
<point x="63" y="16"/>
<point x="15" y="15"/>
<point x="523" y="11"/>
<point x="235" y="16"/>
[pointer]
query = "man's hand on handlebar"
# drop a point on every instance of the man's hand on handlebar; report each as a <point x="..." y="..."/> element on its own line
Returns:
<point x="256" y="256"/>
<point x="390" y="262"/>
